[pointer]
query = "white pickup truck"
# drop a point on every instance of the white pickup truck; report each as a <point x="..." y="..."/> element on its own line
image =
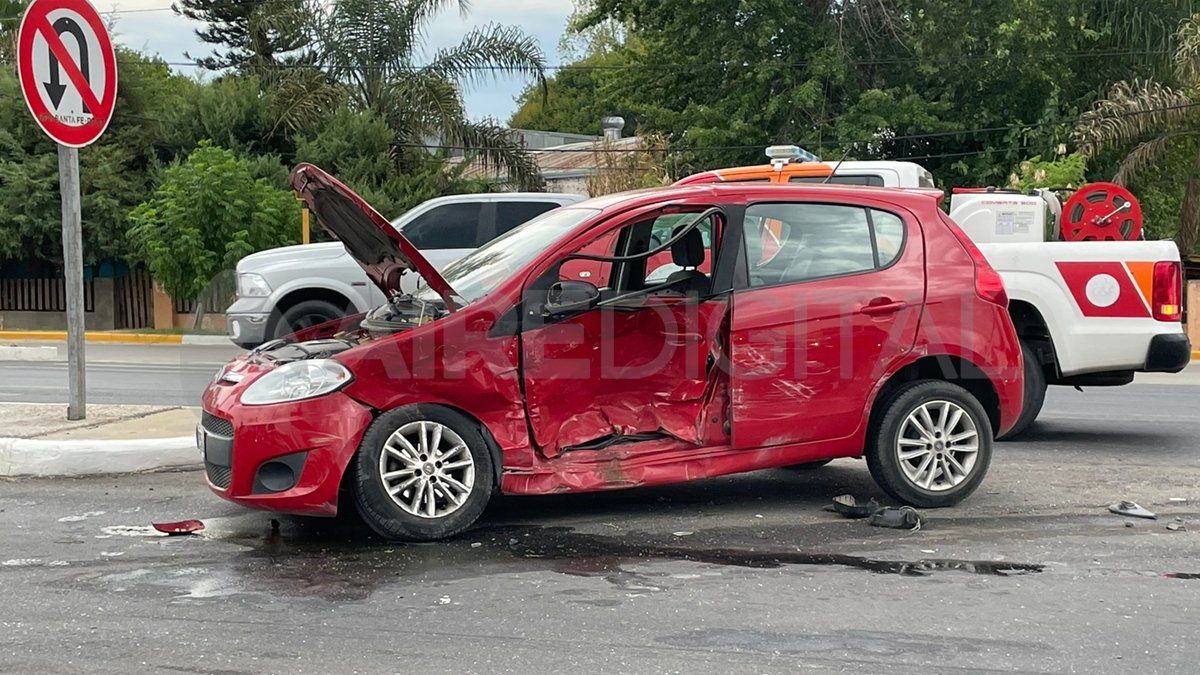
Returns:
<point x="294" y="287"/>
<point x="1089" y="313"/>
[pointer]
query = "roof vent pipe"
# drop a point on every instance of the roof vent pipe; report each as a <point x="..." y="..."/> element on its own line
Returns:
<point x="612" y="127"/>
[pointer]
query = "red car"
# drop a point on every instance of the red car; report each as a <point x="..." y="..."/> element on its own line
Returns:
<point x="871" y="326"/>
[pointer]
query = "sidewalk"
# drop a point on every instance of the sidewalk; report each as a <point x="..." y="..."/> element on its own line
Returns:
<point x="115" y="336"/>
<point x="37" y="439"/>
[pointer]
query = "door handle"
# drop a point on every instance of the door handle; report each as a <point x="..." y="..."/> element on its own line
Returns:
<point x="882" y="306"/>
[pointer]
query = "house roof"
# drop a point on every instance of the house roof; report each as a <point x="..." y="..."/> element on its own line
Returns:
<point x="563" y="161"/>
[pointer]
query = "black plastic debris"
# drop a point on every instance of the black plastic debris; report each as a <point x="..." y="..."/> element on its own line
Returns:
<point x="849" y="506"/>
<point x="898" y="518"/>
<point x="1126" y="508"/>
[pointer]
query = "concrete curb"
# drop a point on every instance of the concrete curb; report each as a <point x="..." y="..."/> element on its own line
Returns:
<point x="207" y="340"/>
<point x="33" y="457"/>
<point x="126" y="338"/>
<point x="92" y="336"/>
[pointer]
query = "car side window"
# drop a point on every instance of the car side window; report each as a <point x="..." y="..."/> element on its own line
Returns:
<point x="889" y="236"/>
<point x="512" y="214"/>
<point x="798" y="242"/>
<point x="446" y="226"/>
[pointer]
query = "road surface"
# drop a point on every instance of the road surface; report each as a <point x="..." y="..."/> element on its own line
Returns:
<point x="737" y="574"/>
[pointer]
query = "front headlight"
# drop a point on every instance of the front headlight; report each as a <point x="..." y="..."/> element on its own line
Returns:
<point x="250" y="285"/>
<point x="297" y="380"/>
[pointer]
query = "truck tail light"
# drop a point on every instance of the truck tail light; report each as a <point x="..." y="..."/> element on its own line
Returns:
<point x="988" y="283"/>
<point x="1168" y="291"/>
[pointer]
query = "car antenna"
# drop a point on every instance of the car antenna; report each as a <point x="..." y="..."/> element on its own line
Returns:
<point x="838" y="165"/>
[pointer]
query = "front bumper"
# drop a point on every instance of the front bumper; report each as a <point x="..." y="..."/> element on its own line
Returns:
<point x="247" y="330"/>
<point x="314" y="438"/>
<point x="1168" y="353"/>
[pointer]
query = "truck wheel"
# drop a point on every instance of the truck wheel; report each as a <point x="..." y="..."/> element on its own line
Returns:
<point x="305" y="314"/>
<point x="1035" y="392"/>
<point x="931" y="445"/>
<point x="422" y="473"/>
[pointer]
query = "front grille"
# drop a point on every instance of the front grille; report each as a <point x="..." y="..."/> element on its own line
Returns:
<point x="218" y="452"/>
<point x="217" y="426"/>
<point x="217" y="475"/>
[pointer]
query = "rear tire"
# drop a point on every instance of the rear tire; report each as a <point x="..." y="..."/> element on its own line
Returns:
<point x="933" y="458"/>
<point x="409" y="489"/>
<point x="305" y="314"/>
<point x="1035" y="392"/>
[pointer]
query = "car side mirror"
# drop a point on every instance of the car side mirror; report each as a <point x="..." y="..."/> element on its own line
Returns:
<point x="570" y="296"/>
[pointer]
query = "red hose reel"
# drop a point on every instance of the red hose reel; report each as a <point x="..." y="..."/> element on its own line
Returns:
<point x="1101" y="212"/>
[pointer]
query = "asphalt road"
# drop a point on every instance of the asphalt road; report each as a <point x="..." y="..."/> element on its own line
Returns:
<point x="738" y="574"/>
<point x="134" y="374"/>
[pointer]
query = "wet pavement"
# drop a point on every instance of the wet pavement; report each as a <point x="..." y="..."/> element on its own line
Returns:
<point x="738" y="574"/>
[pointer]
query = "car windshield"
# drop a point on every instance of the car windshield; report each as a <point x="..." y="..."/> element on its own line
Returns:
<point x="480" y="272"/>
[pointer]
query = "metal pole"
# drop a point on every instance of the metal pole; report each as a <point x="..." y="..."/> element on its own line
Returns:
<point x="72" y="235"/>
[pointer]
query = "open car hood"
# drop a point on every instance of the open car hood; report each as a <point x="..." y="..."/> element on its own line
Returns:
<point x="369" y="238"/>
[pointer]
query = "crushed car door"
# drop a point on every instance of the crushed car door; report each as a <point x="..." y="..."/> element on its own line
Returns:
<point x="818" y="319"/>
<point x="640" y="368"/>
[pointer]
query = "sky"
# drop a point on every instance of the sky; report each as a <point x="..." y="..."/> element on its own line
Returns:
<point x="168" y="35"/>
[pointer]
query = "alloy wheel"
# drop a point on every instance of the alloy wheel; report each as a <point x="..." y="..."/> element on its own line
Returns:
<point x="427" y="469"/>
<point x="938" y="445"/>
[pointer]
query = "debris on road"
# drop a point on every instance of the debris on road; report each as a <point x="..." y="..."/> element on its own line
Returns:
<point x="897" y="517"/>
<point x="1177" y="525"/>
<point x="849" y="506"/>
<point x="180" y="527"/>
<point x="1126" y="508"/>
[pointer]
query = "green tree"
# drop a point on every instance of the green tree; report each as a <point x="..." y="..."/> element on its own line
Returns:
<point x="370" y="50"/>
<point x="250" y="35"/>
<point x="1152" y="118"/>
<point x="968" y="89"/>
<point x="10" y="19"/>
<point x="356" y="146"/>
<point x="208" y="212"/>
<point x="116" y="172"/>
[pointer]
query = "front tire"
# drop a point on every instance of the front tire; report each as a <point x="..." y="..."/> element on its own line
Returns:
<point x="422" y="473"/>
<point x="932" y="444"/>
<point x="1035" y="392"/>
<point x="305" y="314"/>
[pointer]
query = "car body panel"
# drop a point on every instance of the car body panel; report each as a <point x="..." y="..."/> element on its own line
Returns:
<point x="553" y="432"/>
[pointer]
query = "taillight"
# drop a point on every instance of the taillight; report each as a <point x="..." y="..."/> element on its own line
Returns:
<point x="988" y="283"/>
<point x="1168" y="291"/>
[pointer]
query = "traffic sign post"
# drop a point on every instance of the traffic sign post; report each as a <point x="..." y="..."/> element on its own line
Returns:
<point x="70" y="86"/>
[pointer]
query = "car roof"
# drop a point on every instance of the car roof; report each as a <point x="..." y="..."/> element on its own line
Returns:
<point x="912" y="198"/>
<point x="556" y="197"/>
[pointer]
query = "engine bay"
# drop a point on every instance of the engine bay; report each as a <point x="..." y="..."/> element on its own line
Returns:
<point x="398" y="314"/>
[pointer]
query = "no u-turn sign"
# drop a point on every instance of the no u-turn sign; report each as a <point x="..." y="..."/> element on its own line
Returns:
<point x="68" y="70"/>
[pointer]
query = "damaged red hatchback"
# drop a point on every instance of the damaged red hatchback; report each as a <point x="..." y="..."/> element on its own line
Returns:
<point x="636" y="339"/>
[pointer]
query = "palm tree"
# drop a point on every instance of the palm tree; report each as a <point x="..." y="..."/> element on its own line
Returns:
<point x="369" y="49"/>
<point x="1152" y="117"/>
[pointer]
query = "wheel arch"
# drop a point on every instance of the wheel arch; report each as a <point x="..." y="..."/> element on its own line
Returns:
<point x="1033" y="329"/>
<point x="295" y="296"/>
<point x="947" y="368"/>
